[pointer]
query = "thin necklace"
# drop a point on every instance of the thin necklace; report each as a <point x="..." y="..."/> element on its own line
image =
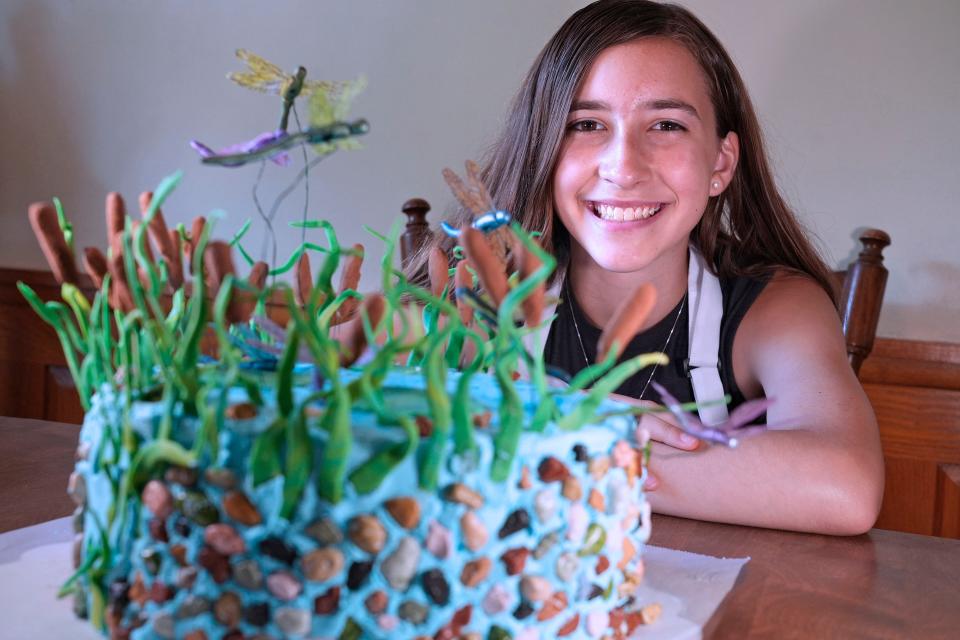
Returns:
<point x="576" y="327"/>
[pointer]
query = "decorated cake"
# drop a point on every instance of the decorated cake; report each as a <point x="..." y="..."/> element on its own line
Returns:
<point x="273" y="460"/>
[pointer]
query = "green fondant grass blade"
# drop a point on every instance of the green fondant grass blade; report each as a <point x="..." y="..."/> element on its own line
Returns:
<point x="298" y="464"/>
<point x="370" y="475"/>
<point x="65" y="225"/>
<point x="435" y="372"/>
<point x="607" y="385"/>
<point x="265" y="453"/>
<point x="336" y="451"/>
<point x="285" y="371"/>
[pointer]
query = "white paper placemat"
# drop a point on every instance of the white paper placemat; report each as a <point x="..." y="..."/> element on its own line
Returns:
<point x="35" y="561"/>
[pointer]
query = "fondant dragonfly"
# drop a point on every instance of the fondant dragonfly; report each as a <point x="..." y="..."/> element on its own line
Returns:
<point x="475" y="197"/>
<point x="266" y="77"/>
<point x="728" y="432"/>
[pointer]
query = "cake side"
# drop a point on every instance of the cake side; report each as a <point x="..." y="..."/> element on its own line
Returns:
<point x="554" y="549"/>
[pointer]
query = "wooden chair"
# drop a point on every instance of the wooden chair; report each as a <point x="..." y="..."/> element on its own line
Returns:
<point x="858" y="290"/>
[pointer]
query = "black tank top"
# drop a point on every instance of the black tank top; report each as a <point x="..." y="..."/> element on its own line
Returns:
<point x="562" y="348"/>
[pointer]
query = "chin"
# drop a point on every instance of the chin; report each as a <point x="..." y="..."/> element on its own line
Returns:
<point x="621" y="263"/>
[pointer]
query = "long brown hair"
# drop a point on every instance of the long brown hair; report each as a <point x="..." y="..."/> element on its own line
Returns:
<point x="747" y="230"/>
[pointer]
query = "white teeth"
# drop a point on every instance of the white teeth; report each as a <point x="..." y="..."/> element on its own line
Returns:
<point x="624" y="214"/>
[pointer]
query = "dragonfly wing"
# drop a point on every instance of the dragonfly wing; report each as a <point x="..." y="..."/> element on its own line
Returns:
<point x="311" y="87"/>
<point x="260" y="75"/>
<point x="461" y="191"/>
<point x="482" y="197"/>
<point x="747" y="413"/>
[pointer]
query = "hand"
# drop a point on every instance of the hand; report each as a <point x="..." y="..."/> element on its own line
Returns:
<point x="661" y="427"/>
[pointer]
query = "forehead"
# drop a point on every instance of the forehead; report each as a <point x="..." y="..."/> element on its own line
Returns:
<point x="647" y="68"/>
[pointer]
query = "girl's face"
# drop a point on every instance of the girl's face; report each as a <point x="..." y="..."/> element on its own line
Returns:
<point x="640" y="157"/>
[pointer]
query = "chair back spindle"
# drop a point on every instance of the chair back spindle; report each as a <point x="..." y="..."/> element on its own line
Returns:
<point x="861" y="296"/>
<point x="416" y="234"/>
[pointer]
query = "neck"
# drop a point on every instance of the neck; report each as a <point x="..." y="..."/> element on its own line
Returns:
<point x="600" y="292"/>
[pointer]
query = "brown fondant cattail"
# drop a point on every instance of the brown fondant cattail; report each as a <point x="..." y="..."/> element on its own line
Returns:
<point x="120" y="295"/>
<point x="245" y="302"/>
<point x="355" y="341"/>
<point x="160" y="236"/>
<point x="116" y="220"/>
<point x="176" y="263"/>
<point x="190" y="247"/>
<point x="46" y="227"/>
<point x="528" y="264"/>
<point x="349" y="279"/>
<point x="258" y="275"/>
<point x="489" y="268"/>
<point x="626" y="320"/>
<point x="303" y="280"/>
<point x="438" y="268"/>
<point x="218" y="263"/>
<point x="96" y="265"/>
<point x="463" y="280"/>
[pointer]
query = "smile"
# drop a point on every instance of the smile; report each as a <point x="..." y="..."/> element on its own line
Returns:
<point x="623" y="214"/>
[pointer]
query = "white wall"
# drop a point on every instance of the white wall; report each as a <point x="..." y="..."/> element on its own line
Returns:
<point x="858" y="98"/>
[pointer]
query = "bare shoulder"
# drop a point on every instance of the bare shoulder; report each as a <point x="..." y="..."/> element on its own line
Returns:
<point x="792" y="307"/>
<point x="791" y="332"/>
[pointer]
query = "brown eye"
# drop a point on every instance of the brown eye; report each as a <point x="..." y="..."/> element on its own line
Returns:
<point x="669" y="125"/>
<point x="586" y="126"/>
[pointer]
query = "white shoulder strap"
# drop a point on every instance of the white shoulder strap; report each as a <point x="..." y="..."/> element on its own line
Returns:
<point x="705" y="302"/>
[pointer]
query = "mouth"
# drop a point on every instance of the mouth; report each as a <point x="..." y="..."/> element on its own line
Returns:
<point x="620" y="213"/>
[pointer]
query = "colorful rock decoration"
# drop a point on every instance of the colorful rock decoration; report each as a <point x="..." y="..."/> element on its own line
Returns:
<point x="496" y="560"/>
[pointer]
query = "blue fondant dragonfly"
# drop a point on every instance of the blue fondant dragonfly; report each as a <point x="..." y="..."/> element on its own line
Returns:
<point x="476" y="199"/>
<point x="490" y="221"/>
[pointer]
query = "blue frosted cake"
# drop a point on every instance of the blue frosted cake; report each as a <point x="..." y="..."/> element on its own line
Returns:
<point x="550" y="552"/>
<point x="297" y="481"/>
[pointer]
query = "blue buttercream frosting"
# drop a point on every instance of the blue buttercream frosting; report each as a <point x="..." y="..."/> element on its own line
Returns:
<point x="599" y="498"/>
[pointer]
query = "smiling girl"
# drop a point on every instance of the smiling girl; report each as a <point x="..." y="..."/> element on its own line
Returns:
<point x="634" y="149"/>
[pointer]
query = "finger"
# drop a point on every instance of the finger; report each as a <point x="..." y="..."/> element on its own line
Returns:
<point x="669" y="434"/>
<point x="651" y="483"/>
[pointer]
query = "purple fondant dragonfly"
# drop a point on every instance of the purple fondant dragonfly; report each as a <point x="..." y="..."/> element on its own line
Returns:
<point x="240" y="154"/>
<point x="725" y="433"/>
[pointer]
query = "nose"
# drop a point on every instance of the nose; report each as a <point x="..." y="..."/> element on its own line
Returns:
<point x="624" y="161"/>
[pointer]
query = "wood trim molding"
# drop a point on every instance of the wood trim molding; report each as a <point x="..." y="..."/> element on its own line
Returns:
<point x="914" y="363"/>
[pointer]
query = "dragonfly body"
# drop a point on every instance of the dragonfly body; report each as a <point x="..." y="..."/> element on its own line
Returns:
<point x="242" y="151"/>
<point x="274" y="145"/>
<point x="489" y="221"/>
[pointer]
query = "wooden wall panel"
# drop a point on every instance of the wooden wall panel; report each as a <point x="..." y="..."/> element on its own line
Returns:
<point x="914" y="388"/>
<point x="21" y="388"/>
<point x="909" y="496"/>
<point x="948" y="487"/>
<point x="61" y="401"/>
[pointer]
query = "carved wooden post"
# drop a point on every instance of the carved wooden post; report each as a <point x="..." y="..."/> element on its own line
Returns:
<point x="417" y="232"/>
<point x="862" y="296"/>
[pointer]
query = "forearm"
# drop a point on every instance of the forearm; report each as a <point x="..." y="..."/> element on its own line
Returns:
<point x="797" y="480"/>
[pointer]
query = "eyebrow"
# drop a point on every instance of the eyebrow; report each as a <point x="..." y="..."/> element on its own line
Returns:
<point x="659" y="104"/>
<point x="663" y="104"/>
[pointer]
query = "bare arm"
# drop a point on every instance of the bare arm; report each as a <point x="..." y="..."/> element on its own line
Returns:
<point x="824" y="471"/>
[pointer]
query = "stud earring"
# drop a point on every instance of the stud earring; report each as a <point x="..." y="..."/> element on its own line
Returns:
<point x="715" y="184"/>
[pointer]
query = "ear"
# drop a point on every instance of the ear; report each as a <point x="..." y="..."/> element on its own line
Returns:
<point x="727" y="157"/>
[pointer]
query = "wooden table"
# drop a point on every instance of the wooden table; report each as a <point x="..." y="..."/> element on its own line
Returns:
<point x="880" y="585"/>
